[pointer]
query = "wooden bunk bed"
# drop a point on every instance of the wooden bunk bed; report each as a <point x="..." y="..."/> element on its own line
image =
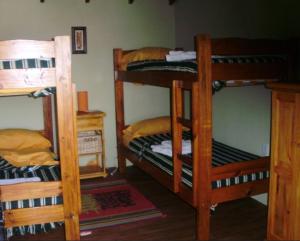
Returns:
<point x="200" y="193"/>
<point x="27" y="79"/>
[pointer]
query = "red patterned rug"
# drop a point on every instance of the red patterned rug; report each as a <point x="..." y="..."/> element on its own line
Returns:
<point x="111" y="203"/>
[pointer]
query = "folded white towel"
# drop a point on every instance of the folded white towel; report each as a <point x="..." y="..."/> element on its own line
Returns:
<point x="19" y="180"/>
<point x="180" y="55"/>
<point x="162" y="149"/>
<point x="166" y="147"/>
<point x="179" y="52"/>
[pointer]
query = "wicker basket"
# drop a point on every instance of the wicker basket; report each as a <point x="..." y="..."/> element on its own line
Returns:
<point x="89" y="142"/>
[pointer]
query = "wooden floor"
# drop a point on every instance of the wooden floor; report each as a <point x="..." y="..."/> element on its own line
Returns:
<point x="238" y="220"/>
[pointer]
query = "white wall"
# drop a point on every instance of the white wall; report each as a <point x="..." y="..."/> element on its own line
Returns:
<point x="241" y="116"/>
<point x="110" y="24"/>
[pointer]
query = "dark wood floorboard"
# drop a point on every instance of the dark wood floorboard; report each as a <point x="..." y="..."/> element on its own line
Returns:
<point x="238" y="220"/>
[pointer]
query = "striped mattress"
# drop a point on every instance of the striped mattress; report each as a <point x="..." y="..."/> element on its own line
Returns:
<point x="222" y="155"/>
<point x="45" y="173"/>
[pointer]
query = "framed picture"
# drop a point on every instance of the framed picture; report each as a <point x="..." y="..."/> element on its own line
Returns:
<point x="79" y="42"/>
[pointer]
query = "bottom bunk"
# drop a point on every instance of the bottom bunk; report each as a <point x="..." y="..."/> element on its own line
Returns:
<point x="49" y="174"/>
<point x="235" y="173"/>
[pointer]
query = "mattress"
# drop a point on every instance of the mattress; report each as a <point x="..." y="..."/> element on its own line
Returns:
<point x="222" y="155"/>
<point x="45" y="173"/>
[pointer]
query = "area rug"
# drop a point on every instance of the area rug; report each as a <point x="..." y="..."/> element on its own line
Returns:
<point x="111" y="203"/>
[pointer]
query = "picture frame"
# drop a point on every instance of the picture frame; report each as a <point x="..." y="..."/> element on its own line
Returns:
<point x="79" y="40"/>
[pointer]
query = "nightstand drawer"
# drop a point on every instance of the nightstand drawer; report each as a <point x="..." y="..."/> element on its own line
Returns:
<point x="89" y="123"/>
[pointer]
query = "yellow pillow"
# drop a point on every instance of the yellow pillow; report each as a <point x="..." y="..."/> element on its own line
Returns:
<point x="147" y="127"/>
<point x="21" y="139"/>
<point x="146" y="53"/>
<point x="29" y="157"/>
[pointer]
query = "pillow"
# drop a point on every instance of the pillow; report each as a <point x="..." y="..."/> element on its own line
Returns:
<point x="147" y="53"/>
<point x="21" y="139"/>
<point x="29" y="157"/>
<point x="147" y="127"/>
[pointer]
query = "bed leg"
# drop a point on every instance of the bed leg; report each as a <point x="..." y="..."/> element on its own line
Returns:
<point x="121" y="164"/>
<point x="203" y="223"/>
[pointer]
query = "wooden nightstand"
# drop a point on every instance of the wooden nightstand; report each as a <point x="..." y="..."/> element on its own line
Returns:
<point x="90" y="137"/>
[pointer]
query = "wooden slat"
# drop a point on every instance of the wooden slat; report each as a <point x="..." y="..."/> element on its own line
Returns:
<point x="30" y="190"/>
<point x="240" y="168"/>
<point x="27" y="78"/>
<point x="242" y="46"/>
<point x="119" y="108"/>
<point x="204" y="148"/>
<point x="234" y="169"/>
<point x="77" y="167"/>
<point x="177" y="111"/>
<point x="239" y="191"/>
<point x="19" y="91"/>
<point x="249" y="71"/>
<point x="48" y="121"/>
<point x="28" y="216"/>
<point x="284" y="87"/>
<point x="14" y="49"/>
<point x="66" y="137"/>
<point x="196" y="138"/>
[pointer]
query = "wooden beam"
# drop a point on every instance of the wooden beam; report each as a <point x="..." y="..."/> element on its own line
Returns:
<point x="28" y="216"/>
<point x="29" y="190"/>
<point x="66" y="140"/>
<point x="27" y="78"/>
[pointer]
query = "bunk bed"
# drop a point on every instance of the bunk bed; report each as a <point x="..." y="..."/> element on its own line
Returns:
<point x="198" y="178"/>
<point x="33" y="67"/>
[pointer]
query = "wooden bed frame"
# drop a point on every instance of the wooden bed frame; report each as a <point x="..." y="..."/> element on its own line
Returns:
<point x="22" y="81"/>
<point x="201" y="195"/>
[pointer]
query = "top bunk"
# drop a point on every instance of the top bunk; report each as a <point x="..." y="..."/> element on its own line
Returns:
<point x="223" y="62"/>
<point x="27" y="66"/>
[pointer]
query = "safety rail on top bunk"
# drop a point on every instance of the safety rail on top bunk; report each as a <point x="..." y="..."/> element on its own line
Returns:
<point x="252" y="71"/>
<point x="26" y="80"/>
<point x="234" y="74"/>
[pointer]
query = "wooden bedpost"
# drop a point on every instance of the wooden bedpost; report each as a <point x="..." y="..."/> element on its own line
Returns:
<point x="48" y="124"/>
<point x="66" y="140"/>
<point x="119" y="105"/>
<point x="204" y="143"/>
<point x="177" y="112"/>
